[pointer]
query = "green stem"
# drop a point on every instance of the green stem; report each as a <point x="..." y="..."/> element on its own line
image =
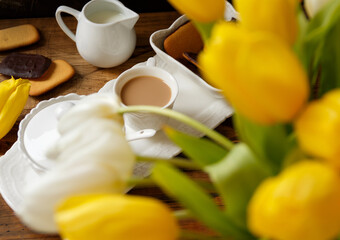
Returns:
<point x="141" y="182"/>
<point x="148" y="182"/>
<point x="223" y="141"/>
<point x="204" y="29"/>
<point x="178" y="162"/>
<point x="207" y="186"/>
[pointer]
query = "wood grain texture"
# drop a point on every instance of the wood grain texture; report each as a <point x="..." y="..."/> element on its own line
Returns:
<point x="88" y="79"/>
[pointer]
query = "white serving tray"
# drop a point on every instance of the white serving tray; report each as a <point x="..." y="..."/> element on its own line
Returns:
<point x="157" y="43"/>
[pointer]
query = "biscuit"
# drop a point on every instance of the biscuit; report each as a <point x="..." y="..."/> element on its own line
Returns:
<point x="59" y="71"/>
<point x="18" y="36"/>
<point x="21" y="65"/>
<point x="185" y="39"/>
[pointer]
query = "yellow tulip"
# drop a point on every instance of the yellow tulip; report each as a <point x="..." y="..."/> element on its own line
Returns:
<point x="201" y="10"/>
<point x="13" y="97"/>
<point x="301" y="203"/>
<point x="318" y="128"/>
<point x="275" y="16"/>
<point x="107" y="217"/>
<point x="258" y="73"/>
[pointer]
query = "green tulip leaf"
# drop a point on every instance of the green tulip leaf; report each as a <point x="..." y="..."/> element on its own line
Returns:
<point x="236" y="178"/>
<point x="269" y="143"/>
<point x="314" y="45"/>
<point x="200" y="204"/>
<point x="330" y="61"/>
<point x="202" y="151"/>
<point x="204" y="29"/>
<point x="303" y="25"/>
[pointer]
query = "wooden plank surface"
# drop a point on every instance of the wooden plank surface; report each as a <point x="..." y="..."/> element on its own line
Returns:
<point x="88" y="79"/>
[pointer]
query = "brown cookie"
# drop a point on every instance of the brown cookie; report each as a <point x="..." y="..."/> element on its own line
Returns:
<point x="21" y="65"/>
<point x="59" y="71"/>
<point x="18" y="36"/>
<point x="185" y="39"/>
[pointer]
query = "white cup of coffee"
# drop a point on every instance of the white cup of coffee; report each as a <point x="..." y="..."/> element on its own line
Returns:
<point x="146" y="85"/>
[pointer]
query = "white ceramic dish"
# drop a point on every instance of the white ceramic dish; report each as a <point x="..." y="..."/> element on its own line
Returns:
<point x="157" y="40"/>
<point x="38" y="130"/>
<point x="107" y="44"/>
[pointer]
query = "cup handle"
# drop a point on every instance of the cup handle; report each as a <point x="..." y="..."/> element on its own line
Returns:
<point x="61" y="23"/>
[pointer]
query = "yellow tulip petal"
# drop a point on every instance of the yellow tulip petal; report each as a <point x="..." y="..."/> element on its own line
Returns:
<point x="332" y="98"/>
<point x="13" y="97"/>
<point x="258" y="73"/>
<point x="318" y="127"/>
<point x="6" y="89"/>
<point x="108" y="217"/>
<point x="275" y="16"/>
<point x="201" y="10"/>
<point x="301" y="203"/>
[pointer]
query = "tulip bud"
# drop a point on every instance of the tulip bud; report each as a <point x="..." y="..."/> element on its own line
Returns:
<point x="108" y="217"/>
<point x="275" y="16"/>
<point x="13" y="97"/>
<point x="318" y="127"/>
<point x="201" y="10"/>
<point x="258" y="73"/>
<point x="313" y="6"/>
<point x="301" y="203"/>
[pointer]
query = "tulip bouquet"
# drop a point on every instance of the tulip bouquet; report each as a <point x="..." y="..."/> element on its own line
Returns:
<point x="279" y="68"/>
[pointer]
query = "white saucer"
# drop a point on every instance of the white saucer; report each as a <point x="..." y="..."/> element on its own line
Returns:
<point x="194" y="100"/>
<point x="39" y="129"/>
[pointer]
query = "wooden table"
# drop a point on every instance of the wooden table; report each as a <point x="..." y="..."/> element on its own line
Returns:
<point x="88" y="79"/>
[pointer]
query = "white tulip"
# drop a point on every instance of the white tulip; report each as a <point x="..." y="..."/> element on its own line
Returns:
<point x="94" y="106"/>
<point x="313" y="6"/>
<point x="93" y="157"/>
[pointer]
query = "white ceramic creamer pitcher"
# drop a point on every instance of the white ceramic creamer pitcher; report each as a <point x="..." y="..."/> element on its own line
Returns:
<point x="105" y="35"/>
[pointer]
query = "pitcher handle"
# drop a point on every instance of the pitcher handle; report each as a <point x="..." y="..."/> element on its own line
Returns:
<point x="61" y="23"/>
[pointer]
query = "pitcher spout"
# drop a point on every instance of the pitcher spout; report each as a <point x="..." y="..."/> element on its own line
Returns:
<point x="131" y="20"/>
<point x="130" y="17"/>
